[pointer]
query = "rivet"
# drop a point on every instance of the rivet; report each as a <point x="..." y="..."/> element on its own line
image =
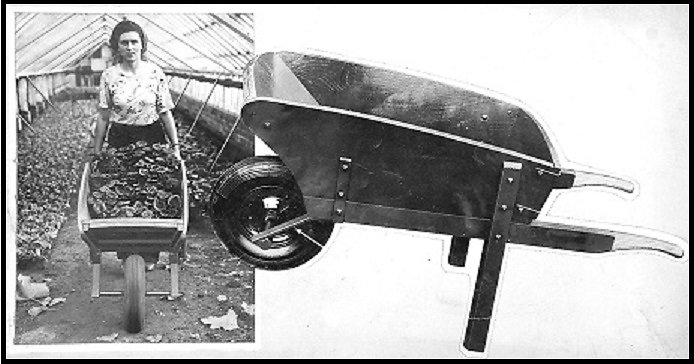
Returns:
<point x="485" y="117"/>
<point x="540" y="172"/>
<point x="510" y="180"/>
<point x="504" y="207"/>
<point x="267" y="125"/>
<point x="345" y="167"/>
<point x="338" y="211"/>
<point x="509" y="112"/>
<point x="497" y="236"/>
<point x="341" y="193"/>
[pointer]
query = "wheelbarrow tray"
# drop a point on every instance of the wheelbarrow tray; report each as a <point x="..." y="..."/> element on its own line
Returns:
<point x="416" y="144"/>
<point x="131" y="235"/>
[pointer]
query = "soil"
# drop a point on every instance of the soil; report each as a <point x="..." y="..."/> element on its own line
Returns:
<point x="210" y="272"/>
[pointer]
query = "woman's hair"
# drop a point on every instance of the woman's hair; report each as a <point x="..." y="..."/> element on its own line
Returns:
<point x="124" y="27"/>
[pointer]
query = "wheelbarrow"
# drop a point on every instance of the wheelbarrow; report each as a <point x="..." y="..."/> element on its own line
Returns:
<point x="365" y="144"/>
<point x="132" y="238"/>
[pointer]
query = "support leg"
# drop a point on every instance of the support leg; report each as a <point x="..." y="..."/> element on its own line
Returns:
<point x="96" y="277"/>
<point x="458" y="253"/>
<point x="174" y="260"/>
<point x="492" y="256"/>
<point x="95" y="258"/>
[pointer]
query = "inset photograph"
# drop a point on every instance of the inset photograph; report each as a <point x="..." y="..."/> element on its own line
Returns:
<point x="124" y="123"/>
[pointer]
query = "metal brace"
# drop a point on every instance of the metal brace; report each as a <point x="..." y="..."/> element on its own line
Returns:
<point x="482" y="306"/>
<point x="341" y="187"/>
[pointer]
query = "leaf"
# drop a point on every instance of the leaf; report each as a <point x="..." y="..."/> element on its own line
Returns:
<point x="30" y="290"/>
<point x="108" y="338"/>
<point x="249" y="309"/>
<point x="35" y="311"/>
<point x="154" y="339"/>
<point x="227" y="322"/>
<point x="56" y="301"/>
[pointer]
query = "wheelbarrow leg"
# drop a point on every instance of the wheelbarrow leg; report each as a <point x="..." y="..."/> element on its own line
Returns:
<point x="174" y="259"/>
<point x="95" y="257"/>
<point x="480" y="316"/>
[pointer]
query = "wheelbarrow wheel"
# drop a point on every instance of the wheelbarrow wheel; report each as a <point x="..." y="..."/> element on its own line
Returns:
<point x="254" y="195"/>
<point x="134" y="303"/>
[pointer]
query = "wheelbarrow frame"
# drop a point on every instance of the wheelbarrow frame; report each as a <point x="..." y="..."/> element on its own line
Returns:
<point x="132" y="236"/>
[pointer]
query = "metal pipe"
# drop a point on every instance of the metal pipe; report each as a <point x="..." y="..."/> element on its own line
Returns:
<point x="200" y="76"/>
<point x="233" y="128"/>
<point x="203" y="106"/>
<point x="26" y="123"/>
<point x="42" y="95"/>
<point x="190" y="77"/>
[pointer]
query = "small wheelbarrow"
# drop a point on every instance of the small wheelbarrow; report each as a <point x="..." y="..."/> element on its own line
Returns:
<point x="132" y="238"/>
<point x="369" y="145"/>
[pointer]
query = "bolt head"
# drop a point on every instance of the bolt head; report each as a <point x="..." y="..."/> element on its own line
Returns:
<point x="485" y="117"/>
<point x="267" y="125"/>
<point x="338" y="211"/>
<point x="510" y="180"/>
<point x="504" y="207"/>
<point x="345" y="167"/>
<point x="341" y="194"/>
<point x="497" y="236"/>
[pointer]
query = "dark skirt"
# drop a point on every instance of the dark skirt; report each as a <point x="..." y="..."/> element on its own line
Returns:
<point x="120" y="135"/>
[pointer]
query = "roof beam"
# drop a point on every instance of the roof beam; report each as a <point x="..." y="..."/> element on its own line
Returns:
<point x="25" y="20"/>
<point x="221" y="39"/>
<point x="209" y="44"/>
<point x="45" y="32"/>
<point x="60" y="61"/>
<point x="57" y="45"/>
<point x="183" y="41"/>
<point x="161" y="59"/>
<point x="230" y="80"/>
<point x="89" y="50"/>
<point x="240" y="33"/>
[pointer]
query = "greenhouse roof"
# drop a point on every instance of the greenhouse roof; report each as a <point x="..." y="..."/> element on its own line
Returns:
<point x="219" y="45"/>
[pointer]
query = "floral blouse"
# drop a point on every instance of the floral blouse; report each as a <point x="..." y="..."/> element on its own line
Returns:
<point x="135" y="99"/>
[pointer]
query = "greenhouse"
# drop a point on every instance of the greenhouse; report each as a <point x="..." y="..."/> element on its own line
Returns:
<point x="60" y="59"/>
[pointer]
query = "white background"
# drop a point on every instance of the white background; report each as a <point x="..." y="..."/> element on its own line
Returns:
<point x="611" y="83"/>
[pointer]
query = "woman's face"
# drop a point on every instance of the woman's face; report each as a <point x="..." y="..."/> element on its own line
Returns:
<point x="130" y="46"/>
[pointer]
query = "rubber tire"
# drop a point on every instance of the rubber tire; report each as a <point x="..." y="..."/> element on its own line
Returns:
<point x="232" y="188"/>
<point x="134" y="302"/>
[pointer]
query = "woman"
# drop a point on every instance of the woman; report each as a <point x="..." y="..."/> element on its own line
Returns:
<point x="134" y="99"/>
<point x="134" y="96"/>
